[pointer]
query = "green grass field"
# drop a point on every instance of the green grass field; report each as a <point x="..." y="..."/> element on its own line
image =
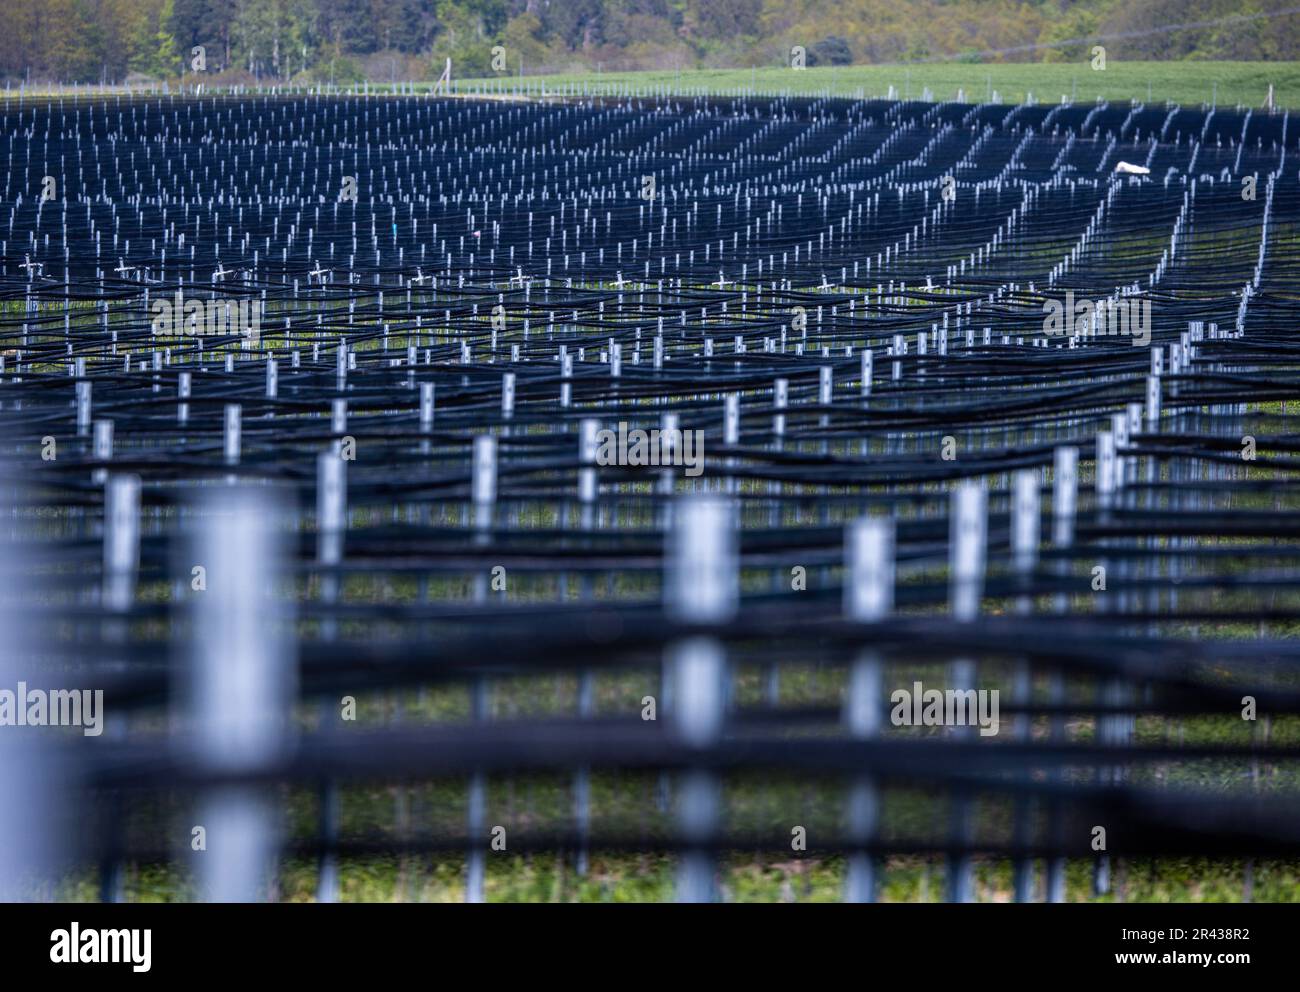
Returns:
<point x="1189" y="83"/>
<point x="1186" y="83"/>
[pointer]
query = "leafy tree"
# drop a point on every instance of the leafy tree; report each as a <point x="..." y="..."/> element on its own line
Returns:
<point x="275" y="37"/>
<point x="522" y="38"/>
<point x="161" y="57"/>
<point x="717" y="19"/>
<point x="578" y="23"/>
<point x="467" y="32"/>
<point x="833" y="50"/>
<point x="206" y="23"/>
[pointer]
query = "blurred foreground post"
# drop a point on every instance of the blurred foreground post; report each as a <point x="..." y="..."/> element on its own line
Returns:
<point x="239" y="680"/>
<point x="28" y="830"/>
<point x="117" y="596"/>
<point x="702" y="586"/>
<point x="868" y="597"/>
<point x="966" y="550"/>
<point x="484" y="495"/>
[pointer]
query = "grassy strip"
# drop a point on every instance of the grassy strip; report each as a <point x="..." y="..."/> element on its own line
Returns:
<point x="1186" y="83"/>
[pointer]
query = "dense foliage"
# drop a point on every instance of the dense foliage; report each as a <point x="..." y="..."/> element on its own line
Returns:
<point x="348" y="40"/>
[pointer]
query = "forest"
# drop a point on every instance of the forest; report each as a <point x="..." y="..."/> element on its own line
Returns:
<point x="347" y="41"/>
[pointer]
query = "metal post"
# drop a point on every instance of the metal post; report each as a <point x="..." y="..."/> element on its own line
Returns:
<point x="1026" y="523"/>
<point x="484" y="494"/>
<point x="121" y="565"/>
<point x="29" y="815"/>
<point x="868" y="597"/>
<point x="239" y="681"/>
<point x="331" y="528"/>
<point x="967" y="543"/>
<point x="1064" y="499"/>
<point x="702" y="587"/>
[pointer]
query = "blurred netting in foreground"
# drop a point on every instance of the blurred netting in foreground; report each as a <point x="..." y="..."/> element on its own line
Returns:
<point x="368" y="608"/>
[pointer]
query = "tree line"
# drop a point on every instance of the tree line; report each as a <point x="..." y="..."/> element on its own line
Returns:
<point x="346" y="41"/>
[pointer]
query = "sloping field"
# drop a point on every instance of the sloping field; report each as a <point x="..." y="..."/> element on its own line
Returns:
<point x="582" y="499"/>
